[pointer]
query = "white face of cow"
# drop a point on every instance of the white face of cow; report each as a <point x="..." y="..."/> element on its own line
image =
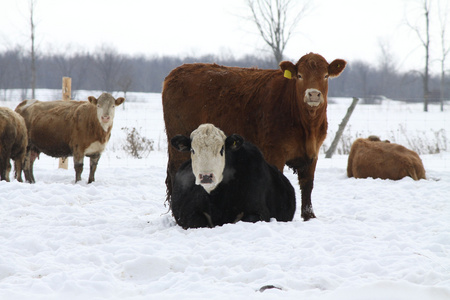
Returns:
<point x="208" y="156"/>
<point x="207" y="145"/>
<point x="106" y="108"/>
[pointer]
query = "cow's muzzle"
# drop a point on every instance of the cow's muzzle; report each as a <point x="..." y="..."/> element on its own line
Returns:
<point x="105" y="119"/>
<point x="206" y="178"/>
<point x="313" y="97"/>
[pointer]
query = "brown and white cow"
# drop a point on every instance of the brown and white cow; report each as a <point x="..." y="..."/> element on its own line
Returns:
<point x="374" y="158"/>
<point x="281" y="111"/>
<point x="69" y="128"/>
<point x="13" y="143"/>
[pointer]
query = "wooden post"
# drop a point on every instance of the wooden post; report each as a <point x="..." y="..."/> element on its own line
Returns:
<point x="338" y="135"/>
<point x="66" y="95"/>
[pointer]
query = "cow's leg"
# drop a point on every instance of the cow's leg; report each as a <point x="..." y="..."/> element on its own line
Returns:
<point x="4" y="162"/>
<point x="305" y="168"/>
<point x="18" y="169"/>
<point x="93" y="166"/>
<point x="209" y="219"/>
<point x="8" y="169"/>
<point x="27" y="167"/>
<point x="78" y="164"/>
<point x="33" y="156"/>
<point x="306" y="181"/>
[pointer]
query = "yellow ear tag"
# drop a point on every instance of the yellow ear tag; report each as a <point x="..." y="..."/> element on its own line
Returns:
<point x="287" y="74"/>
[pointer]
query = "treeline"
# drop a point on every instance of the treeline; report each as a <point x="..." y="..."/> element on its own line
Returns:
<point x="107" y="70"/>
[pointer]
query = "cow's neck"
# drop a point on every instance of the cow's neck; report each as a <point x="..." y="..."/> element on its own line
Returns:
<point x="98" y="129"/>
<point x="314" y="125"/>
<point x="106" y="127"/>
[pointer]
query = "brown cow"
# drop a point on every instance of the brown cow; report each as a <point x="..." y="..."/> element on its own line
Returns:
<point x="374" y="158"/>
<point x="282" y="111"/>
<point x="13" y="143"/>
<point x="68" y="128"/>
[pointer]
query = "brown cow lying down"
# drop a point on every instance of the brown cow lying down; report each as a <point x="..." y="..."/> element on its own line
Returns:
<point x="13" y="143"/>
<point x="68" y="128"/>
<point x="381" y="159"/>
<point x="282" y="111"/>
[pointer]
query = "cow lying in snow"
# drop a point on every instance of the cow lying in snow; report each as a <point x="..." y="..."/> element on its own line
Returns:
<point x="13" y="143"/>
<point x="374" y="158"/>
<point x="68" y="128"/>
<point x="227" y="180"/>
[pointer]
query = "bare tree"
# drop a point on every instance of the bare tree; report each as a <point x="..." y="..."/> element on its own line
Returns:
<point x="125" y="81"/>
<point x="387" y="65"/>
<point x="109" y="66"/>
<point x="274" y="22"/>
<point x="443" y="15"/>
<point x="362" y="70"/>
<point x="424" y="38"/>
<point x="33" y="50"/>
<point x="74" y="64"/>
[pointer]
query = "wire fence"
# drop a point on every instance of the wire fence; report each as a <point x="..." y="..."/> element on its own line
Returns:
<point x="397" y="121"/>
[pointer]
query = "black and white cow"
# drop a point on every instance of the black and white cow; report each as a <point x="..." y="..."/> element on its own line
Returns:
<point x="227" y="180"/>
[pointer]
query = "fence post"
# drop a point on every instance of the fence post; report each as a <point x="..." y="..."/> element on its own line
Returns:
<point x="66" y="95"/>
<point x="338" y="135"/>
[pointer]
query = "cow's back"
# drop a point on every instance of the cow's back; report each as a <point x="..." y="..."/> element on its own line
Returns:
<point x="265" y="191"/>
<point x="228" y="97"/>
<point x="52" y="124"/>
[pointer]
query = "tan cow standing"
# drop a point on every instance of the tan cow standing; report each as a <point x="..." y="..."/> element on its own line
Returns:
<point x="381" y="159"/>
<point x="69" y="128"/>
<point x="13" y="143"/>
<point x="281" y="111"/>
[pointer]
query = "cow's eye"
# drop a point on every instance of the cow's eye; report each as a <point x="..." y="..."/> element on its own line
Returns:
<point x="299" y="76"/>
<point x="326" y="76"/>
<point x="192" y="151"/>
<point x="221" y="151"/>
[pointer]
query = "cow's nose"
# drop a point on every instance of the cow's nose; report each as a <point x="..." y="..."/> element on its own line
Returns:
<point x="314" y="96"/>
<point x="206" y="178"/>
<point x="106" y="119"/>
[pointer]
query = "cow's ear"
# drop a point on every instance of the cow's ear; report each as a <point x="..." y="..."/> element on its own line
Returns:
<point x="93" y="100"/>
<point x="289" y="70"/>
<point x="234" y="142"/>
<point x="119" y="101"/>
<point x="181" y="143"/>
<point x="336" y="67"/>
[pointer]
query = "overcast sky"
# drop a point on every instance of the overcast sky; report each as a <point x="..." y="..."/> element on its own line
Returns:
<point x="348" y="29"/>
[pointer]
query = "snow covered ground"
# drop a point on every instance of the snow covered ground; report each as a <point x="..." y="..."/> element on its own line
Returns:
<point x="115" y="239"/>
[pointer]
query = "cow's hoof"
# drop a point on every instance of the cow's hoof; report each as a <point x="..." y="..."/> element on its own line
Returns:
<point x="308" y="213"/>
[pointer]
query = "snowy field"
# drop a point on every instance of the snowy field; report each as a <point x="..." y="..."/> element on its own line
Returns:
<point x="115" y="239"/>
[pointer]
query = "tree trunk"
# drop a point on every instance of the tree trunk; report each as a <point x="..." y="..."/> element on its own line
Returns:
<point x="442" y="90"/>
<point x="426" y="75"/>
<point x="33" y="53"/>
<point x="344" y="122"/>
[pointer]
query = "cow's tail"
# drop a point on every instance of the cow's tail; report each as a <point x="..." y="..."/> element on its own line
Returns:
<point x="168" y="182"/>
